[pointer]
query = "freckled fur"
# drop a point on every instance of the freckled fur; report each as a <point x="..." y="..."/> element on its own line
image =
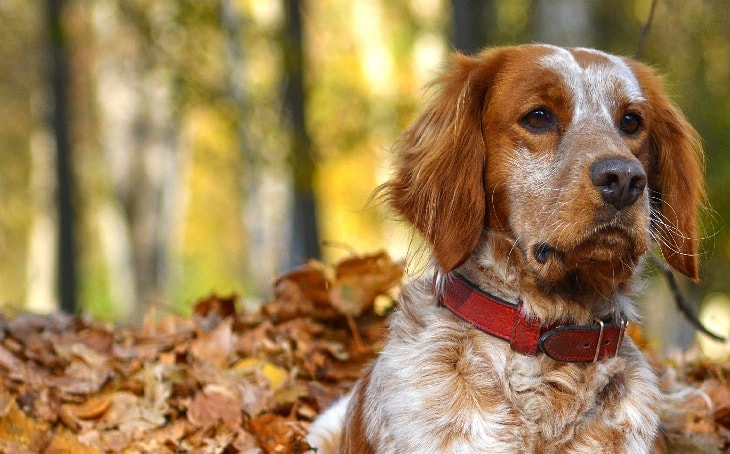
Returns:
<point x="484" y="191"/>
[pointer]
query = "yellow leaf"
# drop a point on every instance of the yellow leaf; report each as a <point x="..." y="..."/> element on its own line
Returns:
<point x="16" y="427"/>
<point x="276" y="375"/>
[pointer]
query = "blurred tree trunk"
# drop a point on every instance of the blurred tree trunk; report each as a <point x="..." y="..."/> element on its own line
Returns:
<point x="562" y="22"/>
<point x="304" y="232"/>
<point x="149" y="195"/>
<point x="471" y="24"/>
<point x="59" y="82"/>
<point x="139" y="129"/>
<point x="40" y="295"/>
<point x="255" y="211"/>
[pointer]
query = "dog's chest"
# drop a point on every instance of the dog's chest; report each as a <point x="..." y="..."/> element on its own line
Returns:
<point x="446" y="387"/>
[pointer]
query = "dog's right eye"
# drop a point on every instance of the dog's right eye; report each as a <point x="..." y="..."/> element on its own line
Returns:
<point x="539" y="120"/>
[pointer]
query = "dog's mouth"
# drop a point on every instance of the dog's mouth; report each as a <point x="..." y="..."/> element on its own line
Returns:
<point x="611" y="252"/>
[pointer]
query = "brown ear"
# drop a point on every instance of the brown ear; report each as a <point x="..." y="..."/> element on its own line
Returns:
<point x="675" y="181"/>
<point x="438" y="183"/>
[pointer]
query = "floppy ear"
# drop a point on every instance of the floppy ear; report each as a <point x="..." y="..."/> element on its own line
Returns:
<point x="438" y="184"/>
<point x="675" y="181"/>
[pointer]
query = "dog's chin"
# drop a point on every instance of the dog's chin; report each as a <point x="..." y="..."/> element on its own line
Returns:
<point x="612" y="255"/>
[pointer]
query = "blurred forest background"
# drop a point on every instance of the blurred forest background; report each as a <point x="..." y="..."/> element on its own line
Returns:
<point x="154" y="151"/>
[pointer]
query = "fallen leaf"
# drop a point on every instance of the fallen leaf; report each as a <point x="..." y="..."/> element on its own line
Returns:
<point x="8" y="360"/>
<point x="215" y="347"/>
<point x="19" y="429"/>
<point x="358" y="280"/>
<point x="222" y="306"/>
<point x="277" y="434"/>
<point x="91" y="408"/>
<point x="80" y="378"/>
<point x="214" y="404"/>
<point x="7" y="401"/>
<point x="63" y="442"/>
<point x="301" y="292"/>
<point x="275" y="375"/>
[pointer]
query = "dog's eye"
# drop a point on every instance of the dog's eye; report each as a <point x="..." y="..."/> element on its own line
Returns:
<point x="630" y="124"/>
<point x="539" y="120"/>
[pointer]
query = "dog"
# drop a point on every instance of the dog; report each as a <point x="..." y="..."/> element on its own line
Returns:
<point x="539" y="177"/>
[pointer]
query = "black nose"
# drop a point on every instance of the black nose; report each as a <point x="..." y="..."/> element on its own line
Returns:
<point x="620" y="181"/>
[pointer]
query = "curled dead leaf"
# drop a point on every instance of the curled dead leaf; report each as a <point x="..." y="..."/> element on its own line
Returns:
<point x="301" y="292"/>
<point x="92" y="408"/>
<point x="221" y="306"/>
<point x="358" y="280"/>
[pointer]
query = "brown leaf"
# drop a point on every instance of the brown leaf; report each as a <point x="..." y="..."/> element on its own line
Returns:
<point x="81" y="378"/>
<point x="254" y="397"/>
<point x="124" y="407"/>
<point x="216" y="438"/>
<point x="299" y="293"/>
<point x="8" y="360"/>
<point x="244" y="441"/>
<point x="277" y="434"/>
<point x="135" y="415"/>
<point x="64" y="442"/>
<point x="358" y="280"/>
<point x="168" y="436"/>
<point x="120" y="439"/>
<point x="97" y="338"/>
<point x="46" y="405"/>
<point x="215" y="347"/>
<point x="27" y="326"/>
<point x="214" y="404"/>
<point x="7" y="401"/>
<point x="92" y="408"/>
<point x="68" y="418"/>
<point x="221" y="306"/>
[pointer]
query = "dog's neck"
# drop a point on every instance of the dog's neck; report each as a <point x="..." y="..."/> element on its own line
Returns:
<point x="499" y="268"/>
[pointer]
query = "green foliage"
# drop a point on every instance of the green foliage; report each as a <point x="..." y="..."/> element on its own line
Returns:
<point x="203" y="80"/>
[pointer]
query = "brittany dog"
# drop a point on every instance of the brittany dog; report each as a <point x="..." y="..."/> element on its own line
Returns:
<point x="539" y="177"/>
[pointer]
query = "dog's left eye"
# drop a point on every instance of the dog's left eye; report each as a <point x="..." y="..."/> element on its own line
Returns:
<point x="539" y="120"/>
<point x="630" y="124"/>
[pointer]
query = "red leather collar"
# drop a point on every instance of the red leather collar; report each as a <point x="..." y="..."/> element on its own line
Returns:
<point x="568" y="343"/>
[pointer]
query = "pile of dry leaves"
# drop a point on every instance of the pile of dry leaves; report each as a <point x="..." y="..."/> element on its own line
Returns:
<point x="228" y="381"/>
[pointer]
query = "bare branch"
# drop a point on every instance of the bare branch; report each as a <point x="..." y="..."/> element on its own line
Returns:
<point x="681" y="302"/>
<point x="645" y="30"/>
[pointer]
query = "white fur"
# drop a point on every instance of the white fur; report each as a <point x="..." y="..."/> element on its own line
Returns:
<point x="328" y="427"/>
<point x="591" y="86"/>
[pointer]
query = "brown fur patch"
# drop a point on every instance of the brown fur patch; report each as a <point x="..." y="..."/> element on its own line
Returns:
<point x="354" y="440"/>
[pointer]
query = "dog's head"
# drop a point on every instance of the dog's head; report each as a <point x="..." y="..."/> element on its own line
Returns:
<point x="576" y="155"/>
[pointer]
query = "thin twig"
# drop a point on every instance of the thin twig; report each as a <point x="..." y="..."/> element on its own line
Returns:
<point x="645" y="30"/>
<point x="682" y="304"/>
